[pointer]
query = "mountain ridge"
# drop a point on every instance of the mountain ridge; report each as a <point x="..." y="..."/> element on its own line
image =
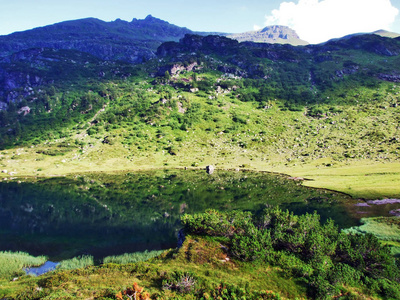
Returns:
<point x="133" y="42"/>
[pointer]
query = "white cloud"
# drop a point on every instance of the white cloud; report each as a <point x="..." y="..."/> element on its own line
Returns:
<point x="256" y="27"/>
<point x="317" y="21"/>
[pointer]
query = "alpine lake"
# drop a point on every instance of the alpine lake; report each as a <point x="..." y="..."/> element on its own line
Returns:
<point x="102" y="214"/>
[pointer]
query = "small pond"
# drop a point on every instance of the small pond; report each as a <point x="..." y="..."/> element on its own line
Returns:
<point x="48" y="266"/>
<point x="110" y="214"/>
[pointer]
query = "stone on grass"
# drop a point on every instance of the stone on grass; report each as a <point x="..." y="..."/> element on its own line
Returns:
<point x="210" y="169"/>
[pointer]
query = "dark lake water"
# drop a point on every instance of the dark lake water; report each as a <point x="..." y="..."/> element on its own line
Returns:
<point x="110" y="214"/>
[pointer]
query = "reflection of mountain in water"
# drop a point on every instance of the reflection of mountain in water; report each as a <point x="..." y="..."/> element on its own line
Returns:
<point x="111" y="214"/>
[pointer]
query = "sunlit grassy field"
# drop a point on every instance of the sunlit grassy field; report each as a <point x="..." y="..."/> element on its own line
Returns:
<point x="362" y="179"/>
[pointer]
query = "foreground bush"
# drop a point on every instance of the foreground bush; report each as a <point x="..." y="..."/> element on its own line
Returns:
<point x="318" y="253"/>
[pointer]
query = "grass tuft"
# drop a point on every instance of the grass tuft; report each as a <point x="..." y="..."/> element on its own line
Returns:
<point x="135" y="257"/>
<point x="76" y="263"/>
<point x="383" y="228"/>
<point x="12" y="263"/>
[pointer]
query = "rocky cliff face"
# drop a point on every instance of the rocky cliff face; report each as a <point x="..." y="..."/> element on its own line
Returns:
<point x="242" y="57"/>
<point x="24" y="74"/>
<point x="193" y="43"/>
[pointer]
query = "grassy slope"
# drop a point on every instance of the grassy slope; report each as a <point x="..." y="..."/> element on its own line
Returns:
<point x="353" y="149"/>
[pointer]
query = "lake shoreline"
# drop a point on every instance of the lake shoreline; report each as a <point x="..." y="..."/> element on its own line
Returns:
<point x="349" y="179"/>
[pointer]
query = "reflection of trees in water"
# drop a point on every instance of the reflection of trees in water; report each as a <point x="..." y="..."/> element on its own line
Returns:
<point x="110" y="210"/>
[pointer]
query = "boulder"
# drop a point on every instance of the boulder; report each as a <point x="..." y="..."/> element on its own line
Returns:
<point x="210" y="169"/>
<point x="24" y="110"/>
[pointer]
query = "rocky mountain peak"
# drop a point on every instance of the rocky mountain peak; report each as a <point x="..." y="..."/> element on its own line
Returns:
<point x="275" y="34"/>
<point x="278" y="31"/>
<point x="151" y="18"/>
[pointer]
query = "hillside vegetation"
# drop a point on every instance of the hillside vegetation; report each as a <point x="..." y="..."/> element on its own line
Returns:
<point x="206" y="100"/>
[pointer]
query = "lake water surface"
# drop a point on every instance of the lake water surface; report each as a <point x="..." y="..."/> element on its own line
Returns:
<point x="110" y="214"/>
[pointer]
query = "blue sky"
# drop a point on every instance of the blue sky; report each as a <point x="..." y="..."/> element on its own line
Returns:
<point x="314" y="20"/>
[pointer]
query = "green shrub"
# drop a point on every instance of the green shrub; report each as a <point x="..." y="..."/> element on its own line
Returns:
<point x="322" y="289"/>
<point x="215" y="223"/>
<point x="316" y="111"/>
<point x="251" y="245"/>
<point x="55" y="280"/>
<point x="366" y="254"/>
<point x="301" y="246"/>
<point x="387" y="288"/>
<point x="344" y="274"/>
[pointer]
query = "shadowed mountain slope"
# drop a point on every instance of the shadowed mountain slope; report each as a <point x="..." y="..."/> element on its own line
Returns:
<point x="133" y="42"/>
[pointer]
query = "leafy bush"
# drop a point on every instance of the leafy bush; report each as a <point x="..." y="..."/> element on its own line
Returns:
<point x="252" y="245"/>
<point x="345" y="274"/>
<point x="386" y="288"/>
<point x="303" y="247"/>
<point x="215" y="223"/>
<point x="366" y="254"/>
<point x="316" y="111"/>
